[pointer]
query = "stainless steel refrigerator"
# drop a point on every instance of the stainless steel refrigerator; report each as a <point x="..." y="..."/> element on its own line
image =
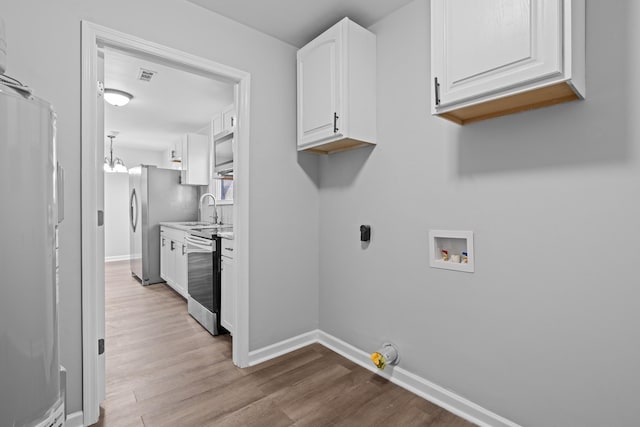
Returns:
<point x="155" y="196"/>
<point x="31" y="384"/>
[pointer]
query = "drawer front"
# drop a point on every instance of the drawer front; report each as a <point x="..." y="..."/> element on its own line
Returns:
<point x="172" y="234"/>
<point x="228" y="248"/>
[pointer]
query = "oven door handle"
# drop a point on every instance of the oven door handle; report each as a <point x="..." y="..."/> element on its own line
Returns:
<point x="197" y="245"/>
<point x="198" y="250"/>
<point x="190" y="238"/>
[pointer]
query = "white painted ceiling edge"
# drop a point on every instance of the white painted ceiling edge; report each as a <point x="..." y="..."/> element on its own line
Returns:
<point x="297" y="22"/>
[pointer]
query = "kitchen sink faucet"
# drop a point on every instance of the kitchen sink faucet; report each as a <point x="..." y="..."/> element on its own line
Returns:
<point x="215" y="207"/>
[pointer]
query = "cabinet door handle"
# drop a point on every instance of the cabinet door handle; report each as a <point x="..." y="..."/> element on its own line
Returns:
<point x="229" y="249"/>
<point x="232" y="121"/>
<point x="436" y="88"/>
<point x="163" y="242"/>
<point x="173" y="245"/>
<point x="335" y="122"/>
<point x="183" y="249"/>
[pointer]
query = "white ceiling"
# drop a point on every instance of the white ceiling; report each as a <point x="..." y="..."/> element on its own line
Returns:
<point x="173" y="103"/>
<point x="299" y="21"/>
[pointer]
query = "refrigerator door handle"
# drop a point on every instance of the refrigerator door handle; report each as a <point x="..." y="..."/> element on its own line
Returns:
<point x="133" y="210"/>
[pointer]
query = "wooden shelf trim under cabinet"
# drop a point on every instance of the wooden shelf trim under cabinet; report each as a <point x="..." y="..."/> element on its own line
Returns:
<point x="529" y="100"/>
<point x="337" y="146"/>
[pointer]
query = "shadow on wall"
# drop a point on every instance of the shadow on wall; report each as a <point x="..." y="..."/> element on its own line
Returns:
<point x="345" y="166"/>
<point x="595" y="131"/>
<point x="310" y="164"/>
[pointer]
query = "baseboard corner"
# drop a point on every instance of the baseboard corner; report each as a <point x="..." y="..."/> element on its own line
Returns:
<point x="283" y="347"/>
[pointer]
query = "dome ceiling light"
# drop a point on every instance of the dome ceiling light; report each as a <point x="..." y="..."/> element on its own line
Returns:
<point x="117" y="97"/>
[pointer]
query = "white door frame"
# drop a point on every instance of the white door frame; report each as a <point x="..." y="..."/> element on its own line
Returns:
<point x="94" y="36"/>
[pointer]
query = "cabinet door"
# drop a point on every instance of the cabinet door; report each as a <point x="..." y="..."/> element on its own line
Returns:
<point x="228" y="119"/>
<point x="195" y="159"/>
<point x="164" y="255"/>
<point x="169" y="261"/>
<point x="483" y="46"/>
<point x="181" y="268"/>
<point x="319" y="88"/>
<point x="217" y="123"/>
<point x="228" y="294"/>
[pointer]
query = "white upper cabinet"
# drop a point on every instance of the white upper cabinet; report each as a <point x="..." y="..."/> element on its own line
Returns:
<point x="224" y="122"/>
<point x="495" y="57"/>
<point x="195" y="159"/>
<point x="337" y="90"/>
<point x="229" y="119"/>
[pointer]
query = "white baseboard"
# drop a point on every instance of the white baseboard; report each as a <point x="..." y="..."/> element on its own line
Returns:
<point x="419" y="386"/>
<point x="117" y="258"/>
<point x="424" y="388"/>
<point x="283" y="347"/>
<point x="75" y="419"/>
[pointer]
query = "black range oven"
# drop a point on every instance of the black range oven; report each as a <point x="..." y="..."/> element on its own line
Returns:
<point x="203" y="279"/>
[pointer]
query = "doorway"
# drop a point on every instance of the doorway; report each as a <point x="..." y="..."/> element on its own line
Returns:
<point x="94" y="39"/>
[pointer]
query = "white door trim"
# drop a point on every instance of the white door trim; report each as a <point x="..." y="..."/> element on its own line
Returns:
<point x="93" y="36"/>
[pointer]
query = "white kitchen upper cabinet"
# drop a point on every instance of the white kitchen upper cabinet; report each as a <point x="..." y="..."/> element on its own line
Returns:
<point x="224" y="122"/>
<point x="495" y="57"/>
<point x="195" y="159"/>
<point x="229" y="119"/>
<point x="337" y="90"/>
<point x="216" y="123"/>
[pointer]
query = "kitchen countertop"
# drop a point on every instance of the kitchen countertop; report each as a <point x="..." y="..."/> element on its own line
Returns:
<point x="202" y="229"/>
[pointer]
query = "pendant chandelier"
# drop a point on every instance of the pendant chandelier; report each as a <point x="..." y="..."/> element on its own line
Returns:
<point x="112" y="164"/>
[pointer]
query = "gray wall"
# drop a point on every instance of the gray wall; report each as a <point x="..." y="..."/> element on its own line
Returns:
<point x="545" y="331"/>
<point x="44" y="52"/>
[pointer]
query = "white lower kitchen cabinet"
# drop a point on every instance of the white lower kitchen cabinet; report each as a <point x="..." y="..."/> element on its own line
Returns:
<point x="490" y="58"/>
<point x="228" y="285"/>
<point x="173" y="259"/>
<point x="167" y="263"/>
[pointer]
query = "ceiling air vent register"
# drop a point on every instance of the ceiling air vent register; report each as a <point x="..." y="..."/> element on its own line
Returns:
<point x="145" y="75"/>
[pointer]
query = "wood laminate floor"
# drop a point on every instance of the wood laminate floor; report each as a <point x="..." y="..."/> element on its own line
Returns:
<point x="164" y="369"/>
